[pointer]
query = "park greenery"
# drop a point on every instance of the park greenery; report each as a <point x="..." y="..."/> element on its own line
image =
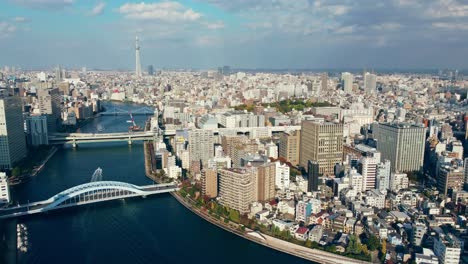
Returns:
<point x="285" y="106"/>
<point x="34" y="158"/>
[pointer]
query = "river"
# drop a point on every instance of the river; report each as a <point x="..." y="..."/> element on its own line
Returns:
<point x="155" y="229"/>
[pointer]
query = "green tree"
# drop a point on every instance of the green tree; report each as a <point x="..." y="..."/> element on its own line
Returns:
<point x="16" y="171"/>
<point x="373" y="243"/>
<point x="354" y="246"/>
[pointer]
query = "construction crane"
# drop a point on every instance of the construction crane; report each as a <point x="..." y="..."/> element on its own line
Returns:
<point x="134" y="126"/>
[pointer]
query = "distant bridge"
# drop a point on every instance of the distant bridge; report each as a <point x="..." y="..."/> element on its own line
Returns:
<point x="78" y="138"/>
<point x="115" y="111"/>
<point x="88" y="193"/>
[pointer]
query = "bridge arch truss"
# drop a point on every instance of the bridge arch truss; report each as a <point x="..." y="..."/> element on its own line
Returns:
<point x="93" y="191"/>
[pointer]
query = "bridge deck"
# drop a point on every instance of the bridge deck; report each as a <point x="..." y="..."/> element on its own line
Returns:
<point x="84" y="198"/>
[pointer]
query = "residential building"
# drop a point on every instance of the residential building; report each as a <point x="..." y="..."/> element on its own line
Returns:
<point x="201" y="145"/>
<point x="282" y="176"/>
<point x="266" y="182"/>
<point x="347" y="80"/>
<point x="447" y="248"/>
<point x="450" y="177"/>
<point x="236" y="189"/>
<point x="209" y="180"/>
<point x="4" y="189"/>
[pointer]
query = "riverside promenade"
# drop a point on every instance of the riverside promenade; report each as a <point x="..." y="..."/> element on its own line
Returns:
<point x="271" y="242"/>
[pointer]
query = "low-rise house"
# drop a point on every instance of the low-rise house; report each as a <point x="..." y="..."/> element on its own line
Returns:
<point x="316" y="233"/>
<point x="302" y="233"/>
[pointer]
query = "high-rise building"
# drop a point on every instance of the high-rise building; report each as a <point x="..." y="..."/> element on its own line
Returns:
<point x="367" y="167"/>
<point x="49" y="103"/>
<point x="12" y="137"/>
<point x="266" y="182"/>
<point x="383" y="176"/>
<point x="36" y="130"/>
<point x="403" y="144"/>
<point x="209" y="179"/>
<point x="201" y="145"/>
<point x="282" y="176"/>
<point x="150" y="70"/>
<point x="236" y="189"/>
<point x="450" y="177"/>
<point x="4" y="189"/>
<point x="347" y="80"/>
<point x="289" y="146"/>
<point x="138" y="71"/>
<point x="324" y="81"/>
<point x="313" y="176"/>
<point x="370" y="83"/>
<point x="321" y="142"/>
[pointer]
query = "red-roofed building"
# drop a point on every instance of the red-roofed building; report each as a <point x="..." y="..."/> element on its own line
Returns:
<point x="302" y="233"/>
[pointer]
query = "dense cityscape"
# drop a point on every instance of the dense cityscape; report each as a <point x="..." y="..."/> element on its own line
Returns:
<point x="366" y="165"/>
<point x="357" y="165"/>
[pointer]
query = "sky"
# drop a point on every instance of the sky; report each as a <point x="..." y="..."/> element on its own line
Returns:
<point x="268" y="34"/>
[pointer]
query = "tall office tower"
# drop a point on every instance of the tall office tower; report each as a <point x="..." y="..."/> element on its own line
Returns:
<point x="370" y="82"/>
<point x="368" y="169"/>
<point x="150" y="70"/>
<point x="290" y="145"/>
<point x="450" y="178"/>
<point x="209" y="179"/>
<point x="12" y="137"/>
<point x="383" y="176"/>
<point x="201" y="145"/>
<point x="347" y="79"/>
<point x="58" y="74"/>
<point x="403" y="144"/>
<point x="324" y="81"/>
<point x="236" y="189"/>
<point x="36" y="130"/>
<point x="49" y="102"/>
<point x="466" y="174"/>
<point x="4" y="189"/>
<point x="137" y="58"/>
<point x="321" y="142"/>
<point x="313" y="176"/>
<point x="266" y="182"/>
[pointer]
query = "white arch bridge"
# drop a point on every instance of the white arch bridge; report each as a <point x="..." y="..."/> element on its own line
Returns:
<point x="88" y="193"/>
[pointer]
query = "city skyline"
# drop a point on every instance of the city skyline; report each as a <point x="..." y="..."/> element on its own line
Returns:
<point x="243" y="34"/>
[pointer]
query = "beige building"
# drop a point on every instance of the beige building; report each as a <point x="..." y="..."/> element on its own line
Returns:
<point x="289" y="146"/>
<point x="266" y="182"/>
<point x="321" y="142"/>
<point x="237" y="189"/>
<point x="209" y="179"/>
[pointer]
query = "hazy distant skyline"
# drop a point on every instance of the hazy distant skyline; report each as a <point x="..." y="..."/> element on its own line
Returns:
<point x="299" y="34"/>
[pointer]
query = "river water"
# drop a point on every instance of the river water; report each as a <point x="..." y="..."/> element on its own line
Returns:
<point x="155" y="229"/>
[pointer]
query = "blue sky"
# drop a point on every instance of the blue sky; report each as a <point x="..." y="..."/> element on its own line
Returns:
<point x="242" y="33"/>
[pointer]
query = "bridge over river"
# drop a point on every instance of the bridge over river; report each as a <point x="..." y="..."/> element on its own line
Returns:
<point x="88" y="193"/>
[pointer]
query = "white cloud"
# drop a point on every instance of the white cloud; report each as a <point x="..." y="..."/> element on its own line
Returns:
<point x="168" y="11"/>
<point x="44" y="4"/>
<point x="215" y="25"/>
<point x="447" y="9"/>
<point x="450" y="26"/>
<point x="6" y="29"/>
<point x="388" y="26"/>
<point x="98" y="9"/>
<point x="20" y="19"/>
